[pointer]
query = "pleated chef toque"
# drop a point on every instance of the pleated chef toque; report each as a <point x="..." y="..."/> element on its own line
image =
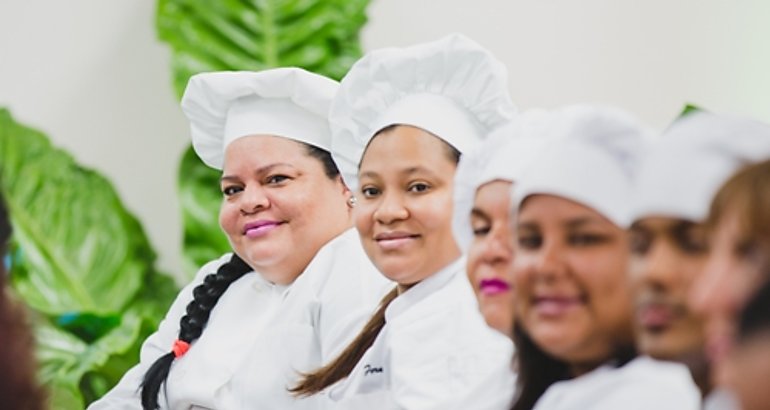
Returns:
<point x="285" y="102"/>
<point x="591" y="157"/>
<point x="452" y="88"/>
<point x="692" y="159"/>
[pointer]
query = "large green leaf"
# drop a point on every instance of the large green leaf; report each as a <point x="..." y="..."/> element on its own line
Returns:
<point x="82" y="262"/>
<point x="65" y="359"/>
<point x="102" y="363"/>
<point x="200" y="198"/>
<point x="75" y="247"/>
<point x="318" y="35"/>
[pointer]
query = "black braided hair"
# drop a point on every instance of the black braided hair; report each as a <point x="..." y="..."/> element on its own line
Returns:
<point x="205" y="297"/>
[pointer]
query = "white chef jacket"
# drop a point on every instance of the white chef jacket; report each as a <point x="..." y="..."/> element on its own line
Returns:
<point x="642" y="384"/>
<point x="260" y="335"/>
<point x="721" y="399"/>
<point x="434" y="350"/>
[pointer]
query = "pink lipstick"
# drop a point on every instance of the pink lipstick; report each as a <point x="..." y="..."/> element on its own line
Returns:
<point x="394" y="240"/>
<point x="554" y="306"/>
<point x="259" y="228"/>
<point x="493" y="286"/>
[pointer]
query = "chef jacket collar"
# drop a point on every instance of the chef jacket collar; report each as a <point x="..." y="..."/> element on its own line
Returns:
<point x="419" y="291"/>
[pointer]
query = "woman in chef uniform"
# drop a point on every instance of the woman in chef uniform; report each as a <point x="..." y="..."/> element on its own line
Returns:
<point x="297" y="286"/>
<point x="573" y="332"/>
<point x="400" y="121"/>
<point x="482" y="213"/>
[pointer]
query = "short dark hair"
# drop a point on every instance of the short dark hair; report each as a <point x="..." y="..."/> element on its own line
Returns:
<point x="325" y="157"/>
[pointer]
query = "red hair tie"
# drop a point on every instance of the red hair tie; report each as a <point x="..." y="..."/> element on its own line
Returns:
<point x="180" y="348"/>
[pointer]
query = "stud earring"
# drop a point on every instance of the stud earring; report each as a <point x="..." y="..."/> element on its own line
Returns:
<point x="352" y="201"/>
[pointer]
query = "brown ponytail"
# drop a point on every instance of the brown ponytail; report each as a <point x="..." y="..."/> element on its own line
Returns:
<point x="341" y="366"/>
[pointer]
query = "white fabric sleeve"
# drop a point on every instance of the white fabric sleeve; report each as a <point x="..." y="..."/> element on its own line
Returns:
<point x="656" y="396"/>
<point x="126" y="395"/>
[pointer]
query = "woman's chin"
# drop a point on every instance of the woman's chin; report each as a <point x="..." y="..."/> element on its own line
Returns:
<point x="498" y="319"/>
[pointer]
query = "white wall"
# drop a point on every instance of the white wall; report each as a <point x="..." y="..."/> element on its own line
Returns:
<point x="91" y="75"/>
<point x="649" y="57"/>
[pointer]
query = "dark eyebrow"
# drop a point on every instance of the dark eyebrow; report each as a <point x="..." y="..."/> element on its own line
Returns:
<point x="369" y="174"/>
<point x="527" y="225"/>
<point x="570" y="224"/>
<point x="686" y="230"/>
<point x="677" y="228"/>
<point x="414" y="170"/>
<point x="407" y="171"/>
<point x="681" y="227"/>
<point x="479" y="213"/>
<point x="231" y="178"/>
<point x="262" y="170"/>
<point x="580" y="221"/>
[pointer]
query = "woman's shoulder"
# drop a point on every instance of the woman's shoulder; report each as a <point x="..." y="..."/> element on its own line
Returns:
<point x="640" y="384"/>
<point x="650" y="383"/>
<point x="451" y="314"/>
<point x="658" y="375"/>
<point x="450" y="299"/>
<point x="211" y="267"/>
<point x="342" y="263"/>
<point x="346" y="245"/>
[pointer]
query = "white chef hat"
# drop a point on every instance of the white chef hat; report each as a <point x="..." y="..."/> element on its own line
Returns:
<point x="285" y="102"/>
<point x="692" y="159"/>
<point x="505" y="155"/>
<point x="590" y="157"/>
<point x="452" y="88"/>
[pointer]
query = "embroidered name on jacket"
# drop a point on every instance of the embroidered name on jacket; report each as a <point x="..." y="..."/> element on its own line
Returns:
<point x="369" y="369"/>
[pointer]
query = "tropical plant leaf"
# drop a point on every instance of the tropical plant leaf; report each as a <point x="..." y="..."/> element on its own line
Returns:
<point x="318" y="35"/>
<point x="200" y="198"/>
<point x="63" y="396"/>
<point x="76" y="372"/>
<point x="66" y="359"/>
<point x="75" y="247"/>
<point x="81" y="261"/>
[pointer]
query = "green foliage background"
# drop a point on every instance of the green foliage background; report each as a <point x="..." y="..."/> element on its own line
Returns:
<point x="79" y="260"/>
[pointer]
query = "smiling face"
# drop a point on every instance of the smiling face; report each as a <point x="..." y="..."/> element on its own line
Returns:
<point x="668" y="255"/>
<point x="279" y="206"/>
<point x="490" y="255"/>
<point x="571" y="290"/>
<point x="404" y="208"/>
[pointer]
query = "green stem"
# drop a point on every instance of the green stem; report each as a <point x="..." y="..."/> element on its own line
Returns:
<point x="271" y="37"/>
